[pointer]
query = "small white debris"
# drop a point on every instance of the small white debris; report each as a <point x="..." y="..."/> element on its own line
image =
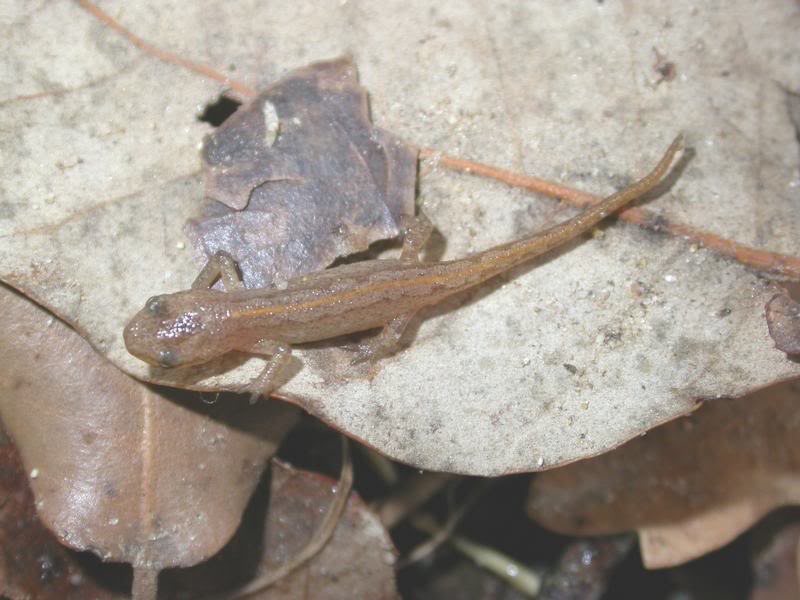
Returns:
<point x="670" y="278"/>
<point x="34" y="473"/>
<point x="272" y="124"/>
<point x="180" y="245"/>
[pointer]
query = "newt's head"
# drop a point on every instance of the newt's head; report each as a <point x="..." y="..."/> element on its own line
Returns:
<point x="175" y="330"/>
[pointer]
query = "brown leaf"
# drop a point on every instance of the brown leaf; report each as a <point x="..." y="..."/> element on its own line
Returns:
<point x="357" y="562"/>
<point x="783" y="320"/>
<point x="33" y="564"/>
<point x="689" y="486"/>
<point x="118" y="468"/>
<point x="326" y="186"/>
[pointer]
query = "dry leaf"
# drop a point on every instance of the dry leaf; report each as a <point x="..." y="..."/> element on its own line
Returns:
<point x="100" y="174"/>
<point x="326" y="186"/>
<point x="783" y="319"/>
<point x="689" y="486"/>
<point x="357" y="562"/>
<point x="120" y="469"/>
<point x="33" y="564"/>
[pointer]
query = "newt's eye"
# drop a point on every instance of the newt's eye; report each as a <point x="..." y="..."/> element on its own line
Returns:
<point x="167" y="359"/>
<point x="155" y="305"/>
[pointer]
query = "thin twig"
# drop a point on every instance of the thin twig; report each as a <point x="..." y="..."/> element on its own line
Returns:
<point x="429" y="546"/>
<point x="411" y="495"/>
<point x="317" y="542"/>
<point x="382" y="466"/>
<point x="502" y="566"/>
<point x="772" y="262"/>
<point x="168" y="57"/>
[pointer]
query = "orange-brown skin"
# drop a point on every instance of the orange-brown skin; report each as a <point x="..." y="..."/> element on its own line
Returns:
<point x="199" y="324"/>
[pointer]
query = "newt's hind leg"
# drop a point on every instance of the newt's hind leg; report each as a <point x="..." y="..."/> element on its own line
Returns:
<point x="220" y="266"/>
<point x="386" y="342"/>
<point x="269" y="379"/>
<point x="416" y="231"/>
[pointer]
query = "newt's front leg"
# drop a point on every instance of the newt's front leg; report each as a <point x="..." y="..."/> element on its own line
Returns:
<point x="416" y="231"/>
<point x="220" y="266"/>
<point x="269" y="379"/>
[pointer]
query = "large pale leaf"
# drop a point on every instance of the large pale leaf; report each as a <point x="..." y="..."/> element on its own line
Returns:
<point x="560" y="360"/>
<point x="116" y="467"/>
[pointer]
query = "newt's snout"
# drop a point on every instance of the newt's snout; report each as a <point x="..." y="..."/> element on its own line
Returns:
<point x="141" y="340"/>
<point x="174" y="330"/>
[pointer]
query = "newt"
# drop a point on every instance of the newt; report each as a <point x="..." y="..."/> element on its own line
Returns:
<point x="199" y="324"/>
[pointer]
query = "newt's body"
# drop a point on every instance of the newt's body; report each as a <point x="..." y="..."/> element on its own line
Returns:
<point x="199" y="324"/>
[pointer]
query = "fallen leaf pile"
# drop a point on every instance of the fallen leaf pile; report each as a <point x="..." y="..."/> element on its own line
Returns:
<point x="103" y="173"/>
<point x="356" y="563"/>
<point x="114" y="189"/>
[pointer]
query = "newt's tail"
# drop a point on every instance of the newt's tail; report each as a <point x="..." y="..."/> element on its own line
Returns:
<point x="502" y="258"/>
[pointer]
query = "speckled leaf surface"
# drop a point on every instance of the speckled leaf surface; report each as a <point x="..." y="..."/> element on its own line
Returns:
<point x="562" y="359"/>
